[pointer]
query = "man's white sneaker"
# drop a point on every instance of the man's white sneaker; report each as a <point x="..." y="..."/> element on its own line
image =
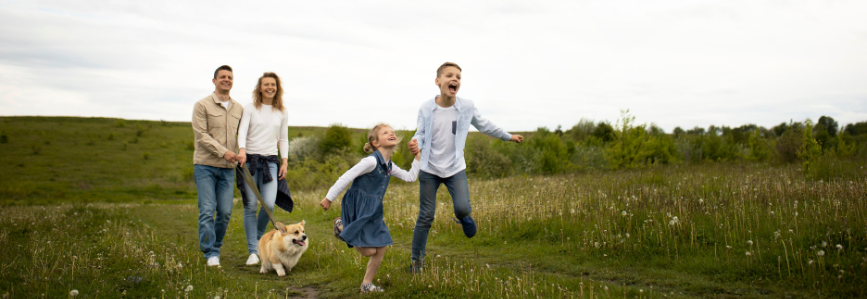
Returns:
<point x="254" y="259"/>
<point x="214" y="261"/>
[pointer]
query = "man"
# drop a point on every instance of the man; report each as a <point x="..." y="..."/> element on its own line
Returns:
<point x="215" y="126"/>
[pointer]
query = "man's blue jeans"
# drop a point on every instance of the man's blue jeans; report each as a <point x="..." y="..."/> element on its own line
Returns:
<point x="253" y="227"/>
<point x="215" y="187"/>
<point x="428" y="185"/>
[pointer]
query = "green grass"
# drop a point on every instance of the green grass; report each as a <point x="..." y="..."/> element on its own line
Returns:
<point x="606" y="234"/>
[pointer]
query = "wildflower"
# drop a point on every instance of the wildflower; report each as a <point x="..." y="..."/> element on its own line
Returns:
<point x="673" y="221"/>
<point x="572" y="211"/>
<point x="839" y="247"/>
<point x="821" y="253"/>
<point x="596" y="244"/>
<point x="623" y="213"/>
<point x="824" y="244"/>
<point x="750" y="242"/>
<point x="749" y="253"/>
<point x="700" y="201"/>
<point x="810" y="262"/>
<point x="189" y="288"/>
<point x="627" y="235"/>
<point x="73" y="293"/>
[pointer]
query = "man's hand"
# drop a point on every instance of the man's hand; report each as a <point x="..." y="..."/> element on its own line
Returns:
<point x="413" y="147"/>
<point x="230" y="156"/>
<point x="325" y="204"/>
<point x="517" y="138"/>
<point x="242" y="157"/>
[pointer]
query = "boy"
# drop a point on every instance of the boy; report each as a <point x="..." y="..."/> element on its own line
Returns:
<point x="443" y="125"/>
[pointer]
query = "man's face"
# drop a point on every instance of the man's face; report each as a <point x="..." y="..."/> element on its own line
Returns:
<point x="449" y="81"/>
<point x="223" y="81"/>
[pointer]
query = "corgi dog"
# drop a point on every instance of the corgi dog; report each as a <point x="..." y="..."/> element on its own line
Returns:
<point x="282" y="247"/>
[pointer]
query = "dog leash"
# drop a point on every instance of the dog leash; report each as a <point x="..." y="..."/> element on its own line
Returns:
<point x="252" y="184"/>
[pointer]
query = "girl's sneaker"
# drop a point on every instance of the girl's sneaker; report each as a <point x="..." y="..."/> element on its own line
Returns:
<point x="370" y="288"/>
<point x="337" y="224"/>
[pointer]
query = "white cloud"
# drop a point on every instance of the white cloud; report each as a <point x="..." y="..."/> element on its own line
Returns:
<point x="526" y="65"/>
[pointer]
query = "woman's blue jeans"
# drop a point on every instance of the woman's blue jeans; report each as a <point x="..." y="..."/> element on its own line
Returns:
<point x="428" y="185"/>
<point x="255" y="227"/>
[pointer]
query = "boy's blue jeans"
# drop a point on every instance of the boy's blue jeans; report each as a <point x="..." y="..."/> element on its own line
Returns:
<point x="253" y="227"/>
<point x="215" y="187"/>
<point x="428" y="185"/>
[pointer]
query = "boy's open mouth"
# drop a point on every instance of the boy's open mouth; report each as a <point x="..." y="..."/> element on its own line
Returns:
<point x="453" y="87"/>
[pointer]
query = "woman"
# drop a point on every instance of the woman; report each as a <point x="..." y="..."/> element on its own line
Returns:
<point x="263" y="125"/>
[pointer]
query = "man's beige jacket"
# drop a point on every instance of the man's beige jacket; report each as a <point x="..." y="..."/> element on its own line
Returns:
<point x="216" y="131"/>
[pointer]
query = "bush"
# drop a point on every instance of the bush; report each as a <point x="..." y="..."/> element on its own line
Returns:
<point x="810" y="149"/>
<point x="4" y="138"/>
<point x="337" y="137"/>
<point x="760" y="148"/>
<point x="303" y="147"/>
<point x="484" y="161"/>
<point x="635" y="147"/>
<point x="789" y="143"/>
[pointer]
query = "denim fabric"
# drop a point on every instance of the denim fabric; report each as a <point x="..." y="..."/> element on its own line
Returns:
<point x="428" y="185"/>
<point x="362" y="208"/>
<point x="467" y="115"/>
<point x="254" y="227"/>
<point x="215" y="188"/>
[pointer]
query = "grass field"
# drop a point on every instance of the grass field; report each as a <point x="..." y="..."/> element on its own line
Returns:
<point x="679" y="231"/>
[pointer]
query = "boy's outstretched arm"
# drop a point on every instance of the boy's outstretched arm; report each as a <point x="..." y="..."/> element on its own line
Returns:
<point x="489" y="128"/>
<point x="418" y="137"/>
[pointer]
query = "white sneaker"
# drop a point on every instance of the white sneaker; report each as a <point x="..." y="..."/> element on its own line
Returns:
<point x="214" y="261"/>
<point x="254" y="259"/>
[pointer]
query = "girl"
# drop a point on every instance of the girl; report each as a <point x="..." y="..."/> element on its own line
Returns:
<point x="362" y="204"/>
<point x="263" y="125"/>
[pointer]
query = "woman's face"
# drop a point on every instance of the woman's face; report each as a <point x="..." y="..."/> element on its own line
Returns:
<point x="268" y="88"/>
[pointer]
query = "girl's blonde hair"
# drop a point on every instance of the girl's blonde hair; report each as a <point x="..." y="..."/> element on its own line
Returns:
<point x="373" y="135"/>
<point x="277" y="103"/>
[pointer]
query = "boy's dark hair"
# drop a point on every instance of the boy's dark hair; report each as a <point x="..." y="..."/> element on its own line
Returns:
<point x="445" y="65"/>
<point x="222" y="67"/>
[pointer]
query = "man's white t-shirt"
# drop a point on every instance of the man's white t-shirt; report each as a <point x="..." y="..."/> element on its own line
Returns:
<point x="442" y="145"/>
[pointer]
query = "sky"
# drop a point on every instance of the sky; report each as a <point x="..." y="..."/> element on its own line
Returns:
<point x="526" y="64"/>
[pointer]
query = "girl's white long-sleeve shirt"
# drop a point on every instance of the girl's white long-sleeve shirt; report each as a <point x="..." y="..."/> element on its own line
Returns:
<point x="365" y="166"/>
<point x="263" y="131"/>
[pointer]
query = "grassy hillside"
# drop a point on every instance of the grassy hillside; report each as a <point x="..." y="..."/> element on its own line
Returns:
<point x="60" y="159"/>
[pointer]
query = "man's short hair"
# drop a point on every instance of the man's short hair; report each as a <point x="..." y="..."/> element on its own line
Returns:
<point x="222" y="67"/>
<point x="445" y="65"/>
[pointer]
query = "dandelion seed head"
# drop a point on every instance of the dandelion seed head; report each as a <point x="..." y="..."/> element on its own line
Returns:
<point x="839" y="247"/>
<point x="824" y="244"/>
<point x="189" y="288"/>
<point x="749" y="253"/>
<point x="623" y="213"/>
<point x="821" y="253"/>
<point x="73" y="293"/>
<point x="750" y="242"/>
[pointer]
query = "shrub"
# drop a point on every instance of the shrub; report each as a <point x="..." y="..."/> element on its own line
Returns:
<point x="810" y="149"/>
<point x="789" y="143"/>
<point x="635" y="147"/>
<point x="484" y="161"/>
<point x="146" y="155"/>
<point x="302" y="147"/>
<point x="760" y="148"/>
<point x="120" y="123"/>
<point x="337" y="137"/>
<point x="4" y="138"/>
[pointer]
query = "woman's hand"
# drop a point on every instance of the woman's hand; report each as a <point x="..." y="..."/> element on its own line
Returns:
<point x="242" y="157"/>
<point x="282" y="174"/>
<point x="325" y="204"/>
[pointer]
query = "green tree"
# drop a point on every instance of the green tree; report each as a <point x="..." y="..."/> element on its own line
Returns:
<point x="635" y="147"/>
<point x="810" y="149"/>
<point x="604" y="131"/>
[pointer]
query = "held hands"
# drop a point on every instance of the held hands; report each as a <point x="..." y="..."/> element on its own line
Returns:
<point x="242" y="157"/>
<point x="517" y="138"/>
<point x="413" y="147"/>
<point x="325" y="204"/>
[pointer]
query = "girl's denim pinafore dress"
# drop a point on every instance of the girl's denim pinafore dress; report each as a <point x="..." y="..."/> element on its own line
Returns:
<point x="362" y="208"/>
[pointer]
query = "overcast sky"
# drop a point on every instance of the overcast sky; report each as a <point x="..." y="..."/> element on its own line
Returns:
<point x="526" y="64"/>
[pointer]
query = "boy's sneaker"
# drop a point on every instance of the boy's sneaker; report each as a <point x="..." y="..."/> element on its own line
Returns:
<point x="337" y="224"/>
<point x="214" y="261"/>
<point x="370" y="288"/>
<point x="416" y="268"/>
<point x="253" y="259"/>
<point x="469" y="226"/>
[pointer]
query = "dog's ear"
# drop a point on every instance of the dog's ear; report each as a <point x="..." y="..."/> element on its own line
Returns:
<point x="301" y="223"/>
<point x="280" y="227"/>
